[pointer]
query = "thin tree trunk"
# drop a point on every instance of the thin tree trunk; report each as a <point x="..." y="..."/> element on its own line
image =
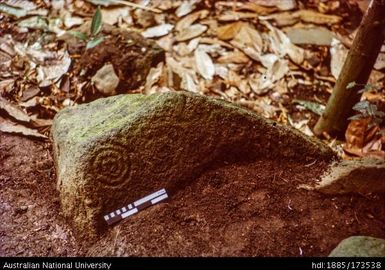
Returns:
<point x="357" y="68"/>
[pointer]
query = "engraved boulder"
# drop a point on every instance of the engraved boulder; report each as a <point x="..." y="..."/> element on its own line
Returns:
<point x="115" y="150"/>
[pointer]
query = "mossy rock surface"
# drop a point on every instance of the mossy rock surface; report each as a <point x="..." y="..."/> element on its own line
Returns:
<point x="115" y="150"/>
<point x="360" y="246"/>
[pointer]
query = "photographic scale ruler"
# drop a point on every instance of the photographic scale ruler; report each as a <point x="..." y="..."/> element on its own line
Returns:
<point x="136" y="206"/>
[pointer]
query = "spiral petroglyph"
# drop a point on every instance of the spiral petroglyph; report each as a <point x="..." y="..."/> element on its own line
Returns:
<point x="118" y="149"/>
<point x="111" y="164"/>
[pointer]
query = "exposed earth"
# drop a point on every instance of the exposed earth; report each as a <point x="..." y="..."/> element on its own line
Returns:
<point x="249" y="209"/>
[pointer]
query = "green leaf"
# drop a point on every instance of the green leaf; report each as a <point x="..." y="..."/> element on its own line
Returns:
<point x="79" y="35"/>
<point x="361" y="106"/>
<point x="372" y="109"/>
<point x="368" y="87"/>
<point x="311" y="106"/>
<point x="94" y="42"/>
<point x="14" y="11"/>
<point x="351" y="85"/>
<point x="96" y="24"/>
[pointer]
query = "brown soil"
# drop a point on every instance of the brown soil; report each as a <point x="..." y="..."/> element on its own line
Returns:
<point x="31" y="224"/>
<point x="249" y="209"/>
<point x="131" y="55"/>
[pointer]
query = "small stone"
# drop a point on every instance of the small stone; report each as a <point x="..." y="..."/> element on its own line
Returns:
<point x="106" y="80"/>
<point x="360" y="246"/>
<point x="21" y="209"/>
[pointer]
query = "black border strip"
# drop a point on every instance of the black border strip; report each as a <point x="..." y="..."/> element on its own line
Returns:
<point x="194" y="263"/>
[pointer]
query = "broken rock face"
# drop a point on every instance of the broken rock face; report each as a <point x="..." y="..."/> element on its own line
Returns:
<point x="115" y="150"/>
<point x="353" y="176"/>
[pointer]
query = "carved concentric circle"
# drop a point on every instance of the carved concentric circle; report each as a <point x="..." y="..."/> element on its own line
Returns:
<point x="111" y="164"/>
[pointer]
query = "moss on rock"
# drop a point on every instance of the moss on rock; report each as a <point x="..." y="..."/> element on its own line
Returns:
<point x="118" y="149"/>
<point x="360" y="246"/>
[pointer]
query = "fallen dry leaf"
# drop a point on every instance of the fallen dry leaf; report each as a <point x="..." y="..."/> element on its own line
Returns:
<point x="302" y="126"/>
<point x="70" y="21"/>
<point x="53" y="70"/>
<point x="259" y="9"/>
<point x="236" y="16"/>
<point x="356" y="132"/>
<point x="282" y="5"/>
<point x="189" y="83"/>
<point x="249" y="41"/>
<point x="216" y="41"/>
<point x="190" y="19"/>
<point x="229" y="31"/>
<point x="190" y="32"/>
<point x="30" y="92"/>
<point x="166" y="42"/>
<point x="380" y="62"/>
<point x="268" y="60"/>
<point x="24" y="4"/>
<point x="264" y="107"/>
<point x="259" y="84"/>
<point x="144" y="18"/>
<point x="7" y="45"/>
<point x="153" y="77"/>
<point x="14" y="111"/>
<point x="374" y="149"/>
<point x="236" y="57"/>
<point x="6" y="85"/>
<point x="280" y="44"/>
<point x="158" y="31"/>
<point x="204" y="64"/>
<point x="187" y="76"/>
<point x="311" y="16"/>
<point x="185" y="8"/>
<point x="9" y="127"/>
<point x="338" y="54"/>
<point x="115" y="14"/>
<point x="38" y="122"/>
<point x="5" y="61"/>
<point x="282" y="19"/>
<point x="308" y="16"/>
<point x="222" y="71"/>
<point x="262" y="83"/>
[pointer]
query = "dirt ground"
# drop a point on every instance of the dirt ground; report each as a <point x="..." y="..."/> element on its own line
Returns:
<point x="31" y="224"/>
<point x="249" y="209"/>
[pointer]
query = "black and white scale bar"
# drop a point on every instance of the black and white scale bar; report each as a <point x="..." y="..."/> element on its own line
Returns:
<point x="136" y="206"/>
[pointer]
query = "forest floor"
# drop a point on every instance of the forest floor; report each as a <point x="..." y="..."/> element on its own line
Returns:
<point x="252" y="209"/>
<point x="230" y="50"/>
